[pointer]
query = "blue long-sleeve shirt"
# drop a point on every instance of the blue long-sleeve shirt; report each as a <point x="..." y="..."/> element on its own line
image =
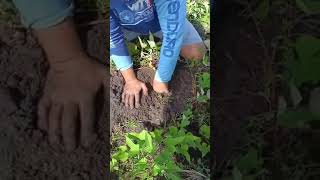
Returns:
<point x="144" y="16"/>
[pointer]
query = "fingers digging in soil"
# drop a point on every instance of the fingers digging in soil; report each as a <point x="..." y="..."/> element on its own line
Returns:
<point x="137" y="100"/>
<point x="54" y="121"/>
<point x="69" y="118"/>
<point x="131" y="101"/>
<point x="87" y="116"/>
<point x="145" y="90"/>
<point x="127" y="100"/>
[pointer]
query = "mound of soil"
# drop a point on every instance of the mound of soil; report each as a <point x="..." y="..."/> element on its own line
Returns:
<point x="24" y="150"/>
<point x="155" y="108"/>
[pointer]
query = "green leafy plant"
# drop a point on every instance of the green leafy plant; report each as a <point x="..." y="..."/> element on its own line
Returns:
<point x="308" y="6"/>
<point x="144" y="51"/>
<point x="166" y="151"/>
<point x="304" y="68"/>
<point x="203" y="82"/>
<point x="199" y="13"/>
<point x="302" y="60"/>
<point x="150" y="154"/>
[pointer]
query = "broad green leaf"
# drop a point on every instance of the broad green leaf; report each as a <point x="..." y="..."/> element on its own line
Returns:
<point x="113" y="164"/>
<point x="134" y="148"/>
<point x="185" y="122"/>
<point x="263" y="9"/>
<point x="202" y="99"/>
<point x="302" y="6"/>
<point x="122" y="148"/>
<point x="309" y="6"/>
<point x="307" y="47"/>
<point x="156" y="170"/>
<point x="141" y="135"/>
<point x="204" y="148"/>
<point x="142" y="164"/>
<point x="148" y="144"/>
<point x="205" y="131"/>
<point x="172" y="167"/>
<point x="152" y="134"/>
<point x="249" y="161"/>
<point x="158" y="134"/>
<point x="204" y="80"/>
<point x="295" y="118"/>
<point x="173" y="131"/>
<point x="184" y="147"/>
<point x="184" y="151"/>
<point x="191" y="140"/>
<point x="305" y="67"/>
<point x="172" y="141"/>
<point x="171" y="149"/>
<point x="181" y="132"/>
<point x="123" y="156"/>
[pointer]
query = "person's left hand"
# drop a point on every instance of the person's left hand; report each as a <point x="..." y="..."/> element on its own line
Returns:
<point x="160" y="87"/>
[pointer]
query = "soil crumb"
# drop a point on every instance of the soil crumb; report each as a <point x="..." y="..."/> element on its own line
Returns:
<point x="25" y="152"/>
<point x="154" y="108"/>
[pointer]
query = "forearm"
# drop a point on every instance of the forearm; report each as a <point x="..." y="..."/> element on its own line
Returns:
<point x="60" y="42"/>
<point x="128" y="75"/>
<point x="172" y="18"/>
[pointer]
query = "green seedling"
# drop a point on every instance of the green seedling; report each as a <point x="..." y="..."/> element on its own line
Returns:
<point x="152" y="154"/>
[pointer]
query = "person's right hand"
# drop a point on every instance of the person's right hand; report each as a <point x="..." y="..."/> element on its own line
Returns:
<point x="131" y="93"/>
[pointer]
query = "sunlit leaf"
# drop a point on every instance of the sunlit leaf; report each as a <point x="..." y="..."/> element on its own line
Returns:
<point x="205" y="131"/>
<point x="134" y="148"/>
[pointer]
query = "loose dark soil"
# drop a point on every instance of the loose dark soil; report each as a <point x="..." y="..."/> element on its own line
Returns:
<point x="24" y="151"/>
<point x="154" y="108"/>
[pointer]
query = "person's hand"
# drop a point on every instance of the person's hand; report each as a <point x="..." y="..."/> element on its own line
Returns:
<point x="160" y="87"/>
<point x="68" y="101"/>
<point x="131" y="93"/>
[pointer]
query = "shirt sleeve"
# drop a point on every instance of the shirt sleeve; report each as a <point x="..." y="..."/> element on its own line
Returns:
<point x="118" y="48"/>
<point x="172" y="18"/>
<point x="43" y="13"/>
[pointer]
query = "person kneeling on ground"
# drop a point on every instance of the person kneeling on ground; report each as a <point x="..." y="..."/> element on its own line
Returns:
<point x="167" y="20"/>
